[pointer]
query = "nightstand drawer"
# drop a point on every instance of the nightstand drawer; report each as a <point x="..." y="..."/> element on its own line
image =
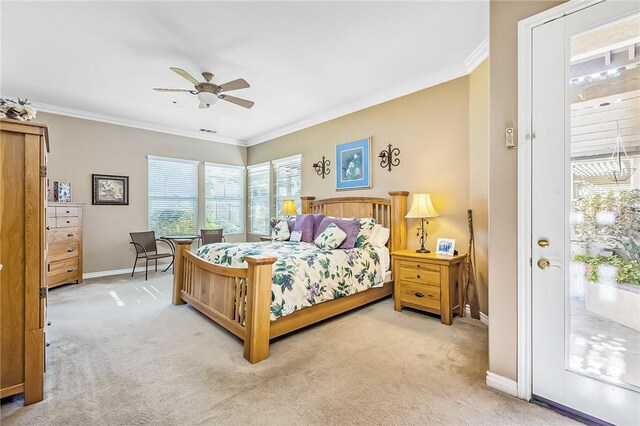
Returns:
<point x="421" y="295"/>
<point x="421" y="276"/>
<point x="419" y="265"/>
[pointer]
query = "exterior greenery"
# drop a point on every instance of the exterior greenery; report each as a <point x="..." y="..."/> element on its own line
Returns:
<point x="210" y="222"/>
<point x="622" y="236"/>
<point x="167" y="222"/>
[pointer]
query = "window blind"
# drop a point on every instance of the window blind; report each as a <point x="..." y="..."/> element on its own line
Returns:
<point x="287" y="182"/>
<point x="258" y="198"/>
<point x="173" y="196"/>
<point x="224" y="197"/>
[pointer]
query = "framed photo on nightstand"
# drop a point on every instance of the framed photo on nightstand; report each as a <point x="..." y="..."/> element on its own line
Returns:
<point x="445" y="246"/>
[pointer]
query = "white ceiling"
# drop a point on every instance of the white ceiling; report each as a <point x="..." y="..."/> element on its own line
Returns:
<point x="306" y="61"/>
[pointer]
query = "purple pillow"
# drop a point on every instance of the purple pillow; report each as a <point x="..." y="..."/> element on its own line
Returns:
<point x="350" y="227"/>
<point x="317" y="220"/>
<point x="291" y="224"/>
<point x="304" y="224"/>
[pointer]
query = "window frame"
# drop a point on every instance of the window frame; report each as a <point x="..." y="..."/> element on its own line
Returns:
<point x="267" y="166"/>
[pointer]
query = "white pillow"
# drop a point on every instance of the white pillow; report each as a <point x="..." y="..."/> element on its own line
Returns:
<point x="280" y="232"/>
<point x="331" y="237"/>
<point x="379" y="236"/>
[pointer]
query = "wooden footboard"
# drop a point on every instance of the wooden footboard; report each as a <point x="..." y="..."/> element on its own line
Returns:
<point x="237" y="299"/>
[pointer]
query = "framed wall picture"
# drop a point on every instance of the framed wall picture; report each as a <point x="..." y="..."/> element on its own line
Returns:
<point x="353" y="165"/>
<point x="445" y="246"/>
<point x="110" y="190"/>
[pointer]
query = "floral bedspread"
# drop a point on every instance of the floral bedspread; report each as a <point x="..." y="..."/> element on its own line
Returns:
<point x="304" y="275"/>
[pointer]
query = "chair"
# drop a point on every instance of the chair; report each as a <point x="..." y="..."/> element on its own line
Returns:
<point x="146" y="248"/>
<point x="210" y="236"/>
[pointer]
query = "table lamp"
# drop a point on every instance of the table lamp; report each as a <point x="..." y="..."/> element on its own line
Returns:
<point x="288" y="209"/>
<point x="421" y="207"/>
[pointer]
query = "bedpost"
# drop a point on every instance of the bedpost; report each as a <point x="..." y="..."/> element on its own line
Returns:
<point x="258" y="320"/>
<point x="306" y="204"/>
<point x="178" y="270"/>
<point x="398" y="222"/>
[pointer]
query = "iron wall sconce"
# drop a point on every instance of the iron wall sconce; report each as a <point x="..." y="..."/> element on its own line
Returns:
<point x="389" y="158"/>
<point x="322" y="167"/>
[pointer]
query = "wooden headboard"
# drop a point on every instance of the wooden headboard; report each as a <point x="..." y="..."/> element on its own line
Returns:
<point x="389" y="212"/>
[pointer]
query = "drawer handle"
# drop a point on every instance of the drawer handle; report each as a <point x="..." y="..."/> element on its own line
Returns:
<point x="418" y="265"/>
<point x="68" y="221"/>
<point x="69" y="250"/>
<point x="417" y="276"/>
<point x="70" y="270"/>
<point x="68" y="211"/>
<point x="419" y="294"/>
<point x="69" y="235"/>
<point x="48" y="227"/>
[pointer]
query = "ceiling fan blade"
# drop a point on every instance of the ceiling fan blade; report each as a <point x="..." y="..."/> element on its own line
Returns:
<point x="240" y="83"/>
<point x="182" y="73"/>
<point x="160" y="89"/>
<point x="238" y="101"/>
<point x="203" y="105"/>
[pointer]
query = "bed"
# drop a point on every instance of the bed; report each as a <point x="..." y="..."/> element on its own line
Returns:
<point x="238" y="295"/>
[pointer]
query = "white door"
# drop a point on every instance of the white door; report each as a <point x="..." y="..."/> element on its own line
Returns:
<point x="585" y="184"/>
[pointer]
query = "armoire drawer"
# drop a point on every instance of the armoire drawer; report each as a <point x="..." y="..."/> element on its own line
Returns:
<point x="67" y="211"/>
<point x="63" y="267"/>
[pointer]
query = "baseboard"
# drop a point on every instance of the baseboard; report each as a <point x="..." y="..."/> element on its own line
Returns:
<point x="502" y="384"/>
<point x="112" y="272"/>
<point x="483" y="317"/>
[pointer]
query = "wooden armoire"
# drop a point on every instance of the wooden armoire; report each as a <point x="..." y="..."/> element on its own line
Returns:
<point x="23" y="251"/>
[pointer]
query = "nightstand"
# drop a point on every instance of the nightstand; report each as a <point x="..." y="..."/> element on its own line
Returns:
<point x="428" y="282"/>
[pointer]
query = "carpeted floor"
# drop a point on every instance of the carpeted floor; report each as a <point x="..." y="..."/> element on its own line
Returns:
<point x="121" y="354"/>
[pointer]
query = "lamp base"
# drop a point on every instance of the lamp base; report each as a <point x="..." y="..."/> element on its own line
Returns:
<point x="423" y="250"/>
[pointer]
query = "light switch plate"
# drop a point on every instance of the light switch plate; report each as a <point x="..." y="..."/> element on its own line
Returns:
<point x="510" y="137"/>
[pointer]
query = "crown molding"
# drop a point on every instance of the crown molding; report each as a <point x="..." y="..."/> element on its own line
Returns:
<point x="474" y="59"/>
<point x="478" y="56"/>
<point x="125" y="122"/>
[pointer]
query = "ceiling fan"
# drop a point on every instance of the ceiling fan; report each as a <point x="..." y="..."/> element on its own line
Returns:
<point x="209" y="93"/>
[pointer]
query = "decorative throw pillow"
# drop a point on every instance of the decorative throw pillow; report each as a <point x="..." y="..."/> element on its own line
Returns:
<point x="350" y="227"/>
<point x="304" y="224"/>
<point x="331" y="237"/>
<point x="366" y="228"/>
<point x="380" y="236"/>
<point x="280" y="232"/>
<point x="317" y="220"/>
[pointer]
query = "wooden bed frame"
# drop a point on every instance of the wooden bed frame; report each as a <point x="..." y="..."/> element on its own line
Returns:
<point x="240" y="299"/>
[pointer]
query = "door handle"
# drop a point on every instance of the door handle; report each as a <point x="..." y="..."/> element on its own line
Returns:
<point x="545" y="264"/>
<point x="543" y="242"/>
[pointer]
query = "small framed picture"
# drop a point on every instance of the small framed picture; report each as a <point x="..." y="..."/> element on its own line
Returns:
<point x="445" y="246"/>
<point x="295" y="237"/>
<point x="110" y="190"/>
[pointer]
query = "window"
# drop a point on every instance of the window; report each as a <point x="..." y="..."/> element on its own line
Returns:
<point x="224" y="197"/>
<point x="287" y="182"/>
<point x="258" y="198"/>
<point x="173" y="196"/>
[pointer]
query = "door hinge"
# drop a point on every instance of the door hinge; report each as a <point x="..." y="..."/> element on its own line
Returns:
<point x="43" y="171"/>
<point x="43" y="292"/>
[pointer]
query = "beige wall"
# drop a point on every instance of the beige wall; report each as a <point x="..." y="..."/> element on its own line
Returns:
<point x="503" y="175"/>
<point x="431" y="129"/>
<point x="479" y="174"/>
<point x="81" y="147"/>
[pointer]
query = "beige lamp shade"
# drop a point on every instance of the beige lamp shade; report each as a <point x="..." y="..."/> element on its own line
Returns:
<point x="421" y="206"/>
<point x="288" y="208"/>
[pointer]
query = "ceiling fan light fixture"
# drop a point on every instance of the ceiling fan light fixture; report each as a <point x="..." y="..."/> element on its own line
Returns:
<point x="208" y="98"/>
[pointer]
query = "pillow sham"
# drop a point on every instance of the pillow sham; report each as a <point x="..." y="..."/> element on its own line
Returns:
<point x="317" y="220"/>
<point x="280" y="231"/>
<point x="379" y="236"/>
<point x="304" y="224"/>
<point x="331" y="237"/>
<point x="350" y="227"/>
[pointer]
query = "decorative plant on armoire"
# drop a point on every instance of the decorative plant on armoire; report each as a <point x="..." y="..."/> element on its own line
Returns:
<point x="17" y="110"/>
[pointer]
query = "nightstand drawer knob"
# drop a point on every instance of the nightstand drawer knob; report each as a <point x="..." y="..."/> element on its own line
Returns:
<point x="417" y="276"/>
<point x="70" y="270"/>
<point x="69" y="235"/>
<point x="419" y="295"/>
<point x="418" y="265"/>
<point x="70" y="250"/>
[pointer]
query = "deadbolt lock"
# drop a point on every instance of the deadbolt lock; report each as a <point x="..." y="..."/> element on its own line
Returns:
<point x="543" y="242"/>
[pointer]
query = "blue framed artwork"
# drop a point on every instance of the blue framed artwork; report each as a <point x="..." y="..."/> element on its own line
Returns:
<point x="353" y="165"/>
